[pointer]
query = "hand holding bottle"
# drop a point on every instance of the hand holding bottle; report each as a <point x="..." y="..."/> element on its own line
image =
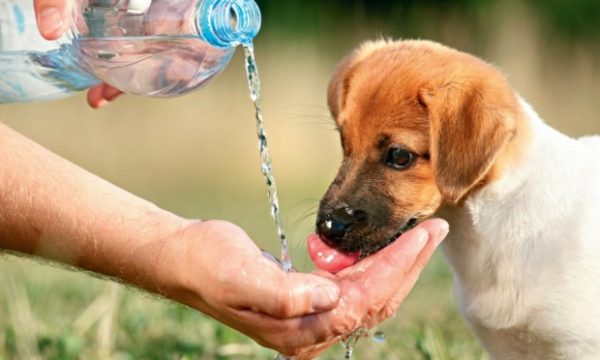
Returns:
<point x="51" y="16"/>
<point x="157" y="48"/>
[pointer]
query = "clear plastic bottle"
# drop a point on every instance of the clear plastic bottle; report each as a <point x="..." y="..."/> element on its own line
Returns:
<point x="159" y="48"/>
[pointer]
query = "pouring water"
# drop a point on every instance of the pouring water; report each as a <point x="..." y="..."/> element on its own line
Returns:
<point x="266" y="167"/>
<point x="349" y="342"/>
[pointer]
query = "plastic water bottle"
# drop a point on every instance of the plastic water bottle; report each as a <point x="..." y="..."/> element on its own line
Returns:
<point x="159" y="48"/>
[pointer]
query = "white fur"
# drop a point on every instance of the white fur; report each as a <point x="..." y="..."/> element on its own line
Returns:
<point x="526" y="252"/>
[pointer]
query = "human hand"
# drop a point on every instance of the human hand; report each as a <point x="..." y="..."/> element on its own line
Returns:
<point x="52" y="17"/>
<point x="225" y="276"/>
<point x="374" y="288"/>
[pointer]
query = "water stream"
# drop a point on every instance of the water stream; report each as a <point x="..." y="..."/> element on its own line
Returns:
<point x="349" y="341"/>
<point x="266" y="167"/>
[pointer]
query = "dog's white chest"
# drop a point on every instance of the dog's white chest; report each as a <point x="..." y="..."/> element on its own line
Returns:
<point x="526" y="253"/>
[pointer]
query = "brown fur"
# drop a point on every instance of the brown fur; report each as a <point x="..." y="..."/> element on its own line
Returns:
<point x="455" y="111"/>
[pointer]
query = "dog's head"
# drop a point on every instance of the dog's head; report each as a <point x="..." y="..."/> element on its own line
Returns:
<point x="421" y="126"/>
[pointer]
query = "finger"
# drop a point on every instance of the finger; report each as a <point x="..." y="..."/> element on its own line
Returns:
<point x="391" y="263"/>
<point x="95" y="98"/>
<point x="51" y="17"/>
<point x="438" y="229"/>
<point x="100" y="95"/>
<point x="370" y="284"/>
<point x="287" y="336"/>
<point x="398" y="257"/>
<point x="326" y="326"/>
<point x="284" y="295"/>
<point x="110" y="93"/>
<point x="437" y="232"/>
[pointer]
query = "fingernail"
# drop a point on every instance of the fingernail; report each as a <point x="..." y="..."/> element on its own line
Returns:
<point x="51" y="20"/>
<point x="110" y="93"/>
<point x="444" y="230"/>
<point x="99" y="104"/>
<point x="324" y="297"/>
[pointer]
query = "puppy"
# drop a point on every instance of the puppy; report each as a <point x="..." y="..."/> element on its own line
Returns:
<point x="429" y="130"/>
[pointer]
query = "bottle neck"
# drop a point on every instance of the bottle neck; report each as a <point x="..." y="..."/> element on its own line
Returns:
<point x="228" y="23"/>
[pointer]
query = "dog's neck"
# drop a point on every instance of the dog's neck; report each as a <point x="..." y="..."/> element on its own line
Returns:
<point x="536" y="152"/>
<point x="541" y="162"/>
<point x="496" y="237"/>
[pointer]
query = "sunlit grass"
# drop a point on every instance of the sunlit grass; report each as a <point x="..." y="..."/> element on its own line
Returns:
<point x="50" y="313"/>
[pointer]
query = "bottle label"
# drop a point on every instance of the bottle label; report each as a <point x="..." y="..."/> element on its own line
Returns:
<point x="32" y="68"/>
<point x="18" y="28"/>
<point x="19" y="18"/>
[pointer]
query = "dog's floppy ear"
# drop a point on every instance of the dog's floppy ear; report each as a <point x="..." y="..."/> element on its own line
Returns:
<point x="470" y="125"/>
<point x="339" y="86"/>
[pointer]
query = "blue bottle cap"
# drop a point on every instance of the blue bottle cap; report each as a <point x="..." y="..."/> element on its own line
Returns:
<point x="228" y="23"/>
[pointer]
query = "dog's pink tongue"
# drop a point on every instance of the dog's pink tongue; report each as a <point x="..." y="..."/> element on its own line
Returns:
<point x="327" y="258"/>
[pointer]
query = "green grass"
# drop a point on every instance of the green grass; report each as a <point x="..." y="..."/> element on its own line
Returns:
<point x="51" y="313"/>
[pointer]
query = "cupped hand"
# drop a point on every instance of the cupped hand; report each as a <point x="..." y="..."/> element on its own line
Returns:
<point x="53" y="20"/>
<point x="226" y="276"/>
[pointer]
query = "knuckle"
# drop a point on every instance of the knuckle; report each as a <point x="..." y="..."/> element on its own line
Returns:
<point x="284" y="307"/>
<point x="420" y="265"/>
<point x="373" y="312"/>
<point x="388" y="311"/>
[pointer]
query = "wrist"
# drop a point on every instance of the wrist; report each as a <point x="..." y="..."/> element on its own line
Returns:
<point x="180" y="267"/>
<point x="200" y="264"/>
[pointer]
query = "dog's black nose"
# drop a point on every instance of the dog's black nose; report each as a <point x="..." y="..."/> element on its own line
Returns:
<point x="336" y="224"/>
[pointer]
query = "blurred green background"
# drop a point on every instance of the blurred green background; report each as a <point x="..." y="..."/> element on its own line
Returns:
<point x="197" y="156"/>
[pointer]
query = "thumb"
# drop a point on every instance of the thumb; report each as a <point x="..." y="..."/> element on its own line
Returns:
<point x="387" y="269"/>
<point x="288" y="295"/>
<point x="99" y="95"/>
<point x="51" y="16"/>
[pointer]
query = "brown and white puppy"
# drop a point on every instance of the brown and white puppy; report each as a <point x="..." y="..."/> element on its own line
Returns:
<point x="427" y="129"/>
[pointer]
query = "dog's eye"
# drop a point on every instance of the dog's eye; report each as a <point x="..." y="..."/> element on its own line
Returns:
<point x="398" y="158"/>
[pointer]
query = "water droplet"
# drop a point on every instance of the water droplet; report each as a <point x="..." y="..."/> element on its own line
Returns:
<point x="350" y="342"/>
<point x="379" y="337"/>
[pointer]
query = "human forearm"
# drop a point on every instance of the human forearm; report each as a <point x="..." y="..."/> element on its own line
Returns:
<point x="53" y="209"/>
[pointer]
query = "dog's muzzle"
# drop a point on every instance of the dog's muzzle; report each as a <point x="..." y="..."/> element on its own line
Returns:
<point x="337" y="223"/>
